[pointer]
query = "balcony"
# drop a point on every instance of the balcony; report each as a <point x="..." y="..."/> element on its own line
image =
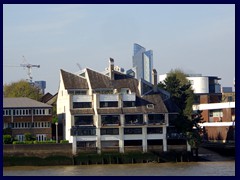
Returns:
<point x="156" y="122"/>
<point x="129" y="97"/>
<point x="82" y="98"/>
<point x="108" y="97"/>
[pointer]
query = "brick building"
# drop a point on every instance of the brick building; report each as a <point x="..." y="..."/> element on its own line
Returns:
<point x="24" y="115"/>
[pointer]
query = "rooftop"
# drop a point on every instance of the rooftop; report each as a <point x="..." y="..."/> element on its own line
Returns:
<point x="23" y="102"/>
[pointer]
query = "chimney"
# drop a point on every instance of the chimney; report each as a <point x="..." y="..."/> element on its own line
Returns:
<point x="111" y="68"/>
<point x="154" y="79"/>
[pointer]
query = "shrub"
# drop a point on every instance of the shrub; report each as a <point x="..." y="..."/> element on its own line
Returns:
<point x="64" y="141"/>
<point x="7" y="139"/>
<point x="29" y="137"/>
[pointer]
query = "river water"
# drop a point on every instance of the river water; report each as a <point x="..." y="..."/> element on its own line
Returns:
<point x="218" y="168"/>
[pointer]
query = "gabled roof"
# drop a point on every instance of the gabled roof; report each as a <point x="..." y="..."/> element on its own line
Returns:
<point x="101" y="81"/>
<point x="98" y="80"/>
<point x="72" y="81"/>
<point x="23" y="102"/>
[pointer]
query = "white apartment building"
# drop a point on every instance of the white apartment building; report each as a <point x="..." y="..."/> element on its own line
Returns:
<point x="113" y="112"/>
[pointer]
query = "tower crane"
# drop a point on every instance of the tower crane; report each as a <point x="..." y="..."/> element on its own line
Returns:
<point x="29" y="66"/>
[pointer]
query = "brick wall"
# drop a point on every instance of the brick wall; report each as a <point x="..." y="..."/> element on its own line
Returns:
<point x="39" y="150"/>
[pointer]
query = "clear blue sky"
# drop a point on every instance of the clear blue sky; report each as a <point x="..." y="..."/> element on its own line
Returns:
<point x="194" y="38"/>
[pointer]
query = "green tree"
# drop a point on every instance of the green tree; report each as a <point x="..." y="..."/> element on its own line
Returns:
<point x="182" y="94"/>
<point x="22" y="88"/>
<point x="180" y="89"/>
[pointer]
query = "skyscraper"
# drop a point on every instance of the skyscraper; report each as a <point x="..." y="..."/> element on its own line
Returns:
<point x="142" y="62"/>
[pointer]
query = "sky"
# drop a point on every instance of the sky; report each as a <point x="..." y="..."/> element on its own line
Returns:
<point x="196" y="38"/>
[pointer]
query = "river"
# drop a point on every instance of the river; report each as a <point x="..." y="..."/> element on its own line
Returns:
<point x="218" y="168"/>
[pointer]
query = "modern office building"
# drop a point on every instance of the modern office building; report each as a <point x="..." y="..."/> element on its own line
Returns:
<point x="201" y="84"/>
<point x="142" y="63"/>
<point x="113" y="112"/>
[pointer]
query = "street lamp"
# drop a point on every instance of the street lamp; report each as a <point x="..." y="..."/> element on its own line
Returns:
<point x="56" y="123"/>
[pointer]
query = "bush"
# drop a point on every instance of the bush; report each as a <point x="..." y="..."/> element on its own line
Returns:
<point x="7" y="139"/>
<point x="44" y="142"/>
<point x="29" y="137"/>
<point x="64" y="141"/>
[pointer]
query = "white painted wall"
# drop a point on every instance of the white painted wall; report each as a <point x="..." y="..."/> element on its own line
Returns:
<point x="214" y="106"/>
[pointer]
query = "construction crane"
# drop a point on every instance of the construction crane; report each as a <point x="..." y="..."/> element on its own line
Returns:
<point x="29" y="66"/>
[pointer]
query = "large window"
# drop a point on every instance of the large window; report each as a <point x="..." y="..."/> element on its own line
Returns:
<point x="135" y="119"/>
<point x="109" y="131"/>
<point x="154" y="130"/>
<point x="83" y="120"/>
<point x="83" y="131"/>
<point x="110" y="119"/>
<point x="155" y="118"/>
<point x="129" y="104"/>
<point x="82" y="105"/>
<point x="86" y="144"/>
<point x="108" y="104"/>
<point x="132" y="130"/>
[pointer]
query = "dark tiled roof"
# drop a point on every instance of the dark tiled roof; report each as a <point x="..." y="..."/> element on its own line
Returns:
<point x="98" y="80"/>
<point x="23" y="102"/>
<point x="46" y="97"/>
<point x="72" y="81"/>
<point x="130" y="83"/>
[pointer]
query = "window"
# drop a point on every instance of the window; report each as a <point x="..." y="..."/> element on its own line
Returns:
<point x="156" y="119"/>
<point x="83" y="120"/>
<point x="109" y="131"/>
<point x="129" y="104"/>
<point x="82" y="105"/>
<point x="110" y="119"/>
<point x="20" y="137"/>
<point x="132" y="130"/>
<point x="83" y="131"/>
<point x="150" y="106"/>
<point x="41" y="137"/>
<point x="157" y="130"/>
<point x="108" y="104"/>
<point x="215" y="115"/>
<point x="85" y="144"/>
<point x="135" y="119"/>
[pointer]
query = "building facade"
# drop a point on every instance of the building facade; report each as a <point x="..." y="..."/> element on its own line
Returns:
<point x="115" y="112"/>
<point x="142" y="63"/>
<point x="24" y="115"/>
<point x="217" y="106"/>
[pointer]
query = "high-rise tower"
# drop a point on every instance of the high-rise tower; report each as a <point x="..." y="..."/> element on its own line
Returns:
<point x="142" y="62"/>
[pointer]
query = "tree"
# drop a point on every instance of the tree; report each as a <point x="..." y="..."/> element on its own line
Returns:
<point x="180" y="89"/>
<point x="182" y="94"/>
<point x="22" y="88"/>
<point x="196" y="134"/>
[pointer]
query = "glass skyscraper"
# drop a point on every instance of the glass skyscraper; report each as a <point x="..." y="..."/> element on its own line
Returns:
<point x="142" y="62"/>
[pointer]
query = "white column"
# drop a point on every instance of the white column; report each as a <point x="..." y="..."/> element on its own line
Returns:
<point x="98" y="143"/>
<point x="74" y="145"/>
<point x="144" y="138"/>
<point x="121" y="134"/>
<point x="188" y="147"/>
<point x="164" y="138"/>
